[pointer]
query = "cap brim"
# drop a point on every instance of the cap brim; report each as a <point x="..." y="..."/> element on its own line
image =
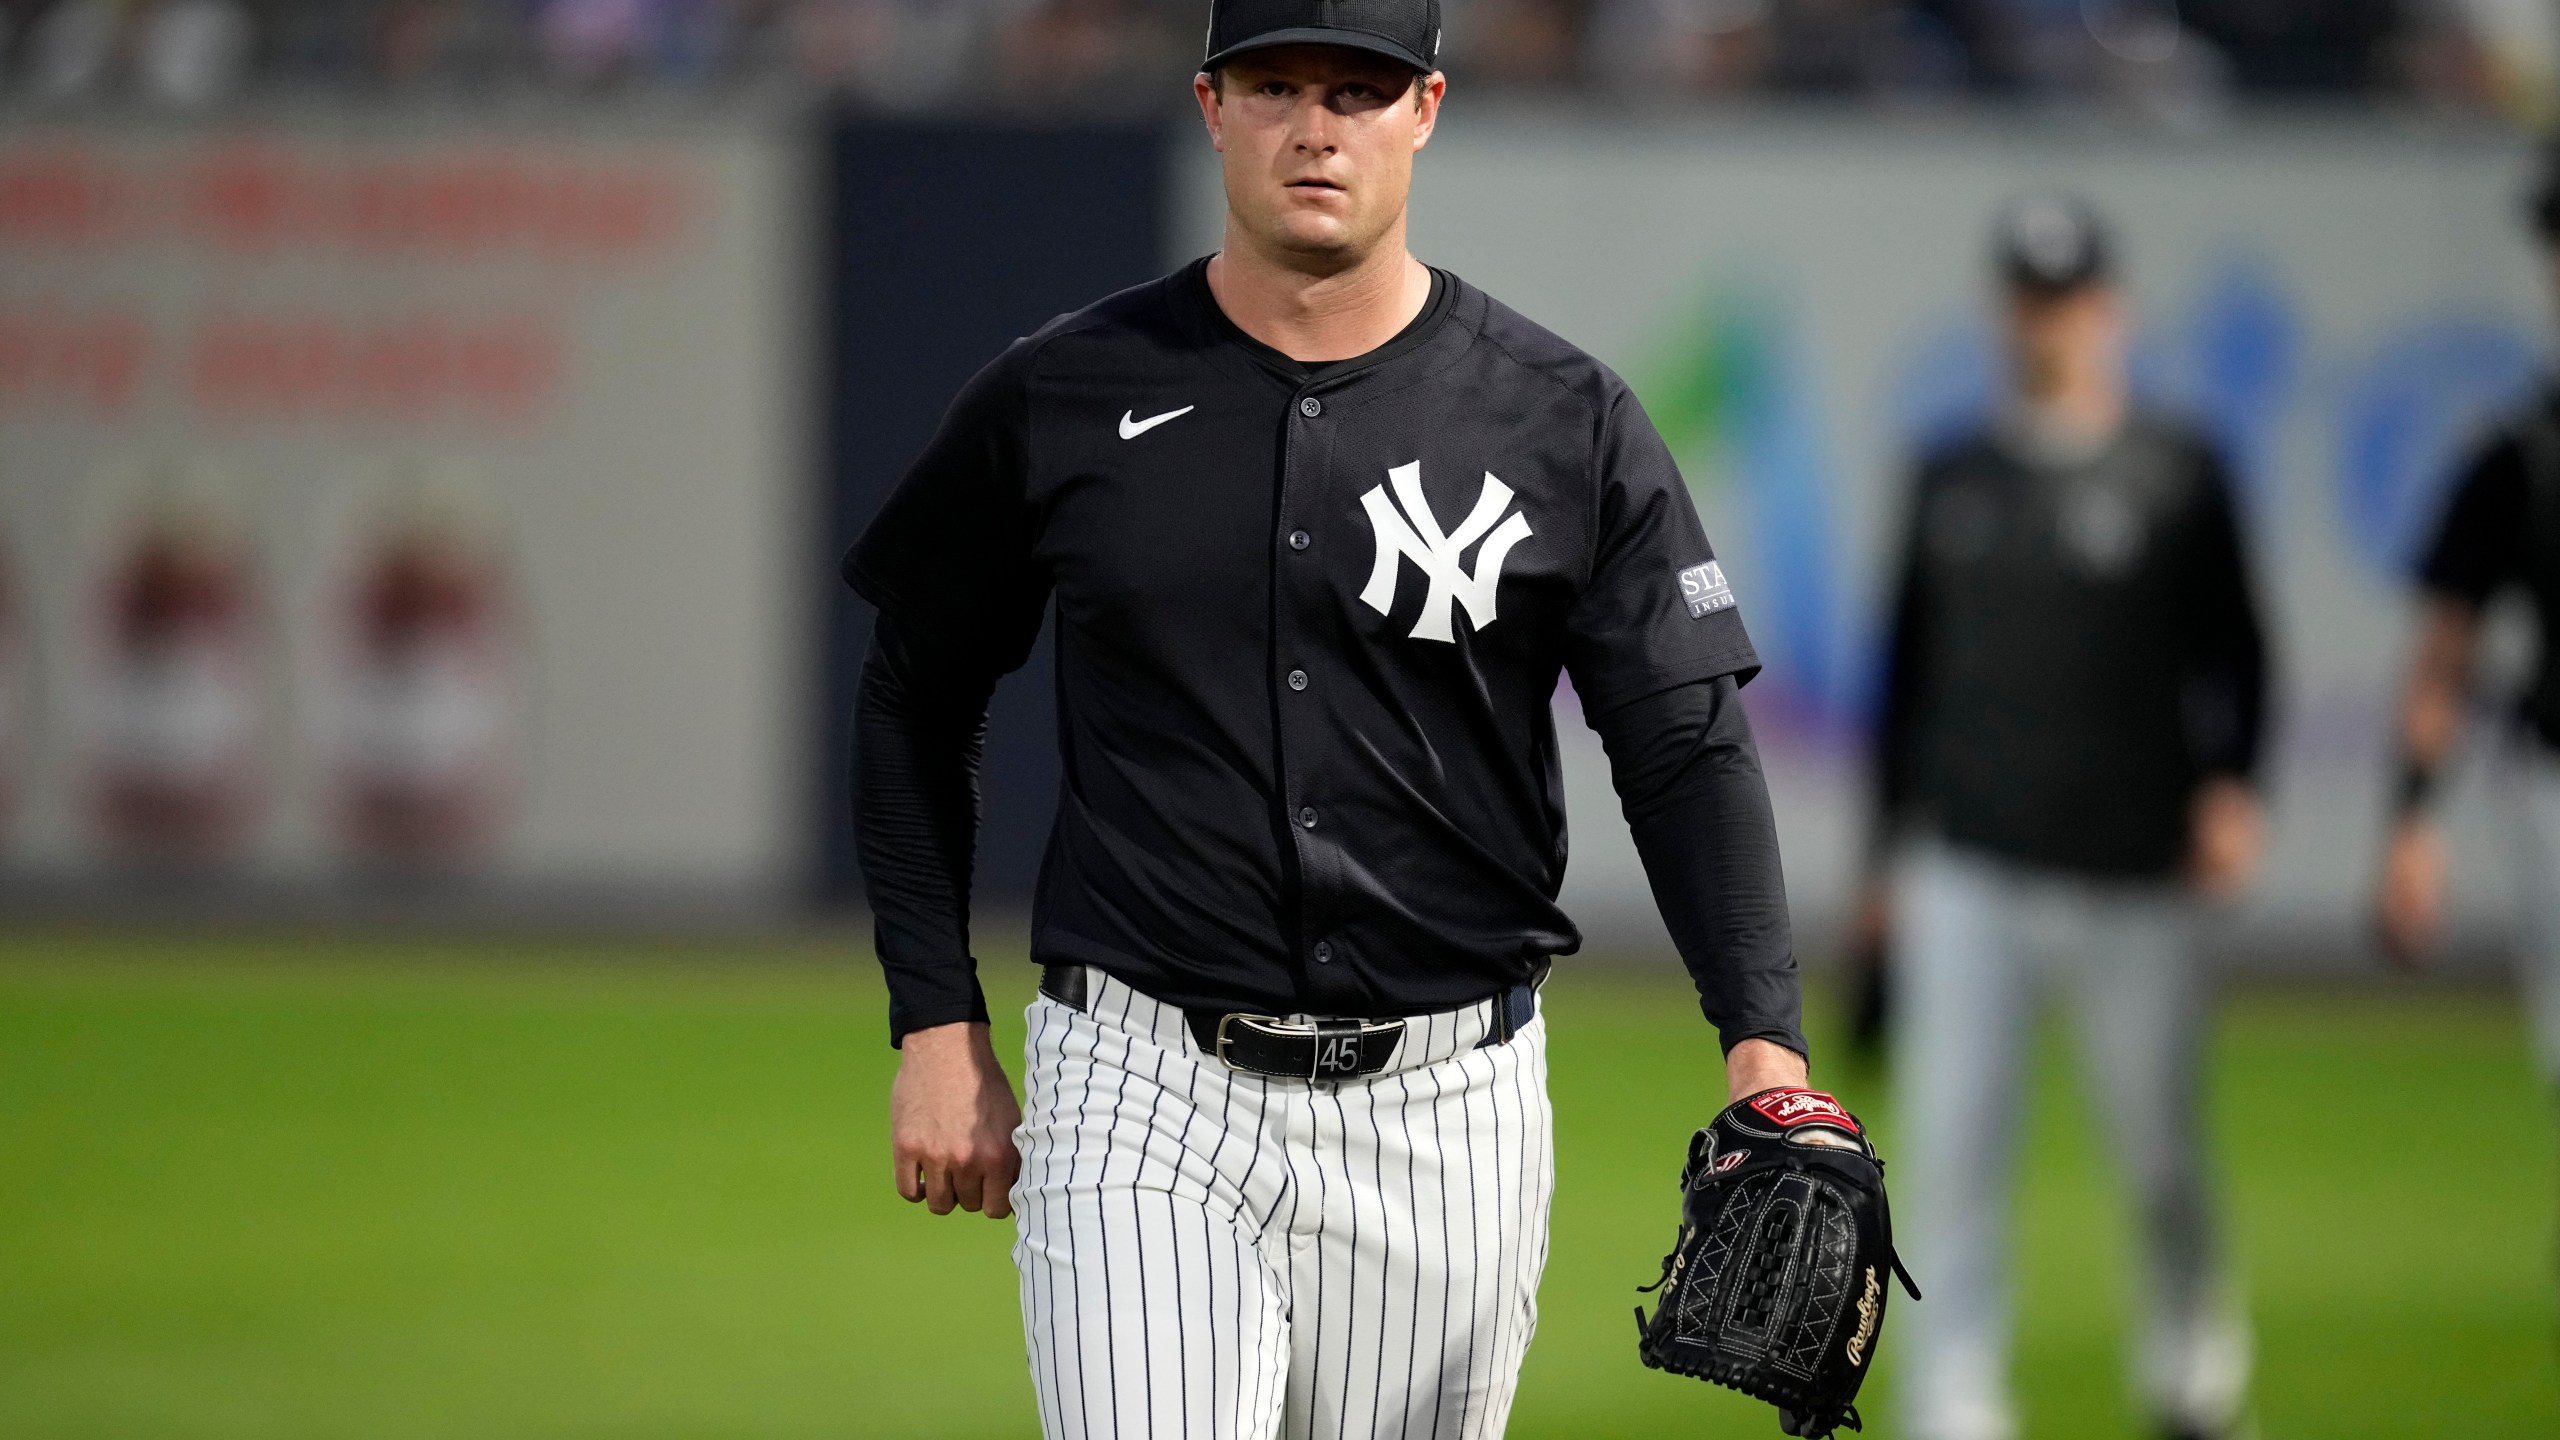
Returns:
<point x="1321" y="35"/>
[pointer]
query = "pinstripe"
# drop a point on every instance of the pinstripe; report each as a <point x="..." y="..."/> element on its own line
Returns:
<point x="1506" y="1243"/>
<point x="1173" y="1212"/>
<point x="1386" y="1276"/>
<point x="1137" y="1189"/>
<point x="1067" y="1215"/>
<point x="1511" y="1320"/>
<point x="1047" y="1057"/>
<point x="1101" y="1192"/>
<point x="1448" y="1270"/>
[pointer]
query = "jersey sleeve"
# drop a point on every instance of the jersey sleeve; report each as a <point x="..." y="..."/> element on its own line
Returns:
<point x="1657" y="610"/>
<point x="951" y="553"/>
<point x="2479" y="545"/>
<point x="1905" y="670"/>
<point x="2225" y="704"/>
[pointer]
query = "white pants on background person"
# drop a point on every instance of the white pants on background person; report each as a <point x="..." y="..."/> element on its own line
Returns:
<point x="2538" y="896"/>
<point x="1216" y="1255"/>
<point x="1978" y="942"/>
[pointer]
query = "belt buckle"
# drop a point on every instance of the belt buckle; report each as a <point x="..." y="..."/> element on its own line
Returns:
<point x="1336" y="1047"/>
<point x="1268" y="1024"/>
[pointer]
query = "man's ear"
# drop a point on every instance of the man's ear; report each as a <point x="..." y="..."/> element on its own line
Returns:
<point x="1204" y="88"/>
<point x="1426" y="99"/>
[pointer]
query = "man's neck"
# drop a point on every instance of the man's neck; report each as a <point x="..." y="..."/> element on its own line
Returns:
<point x="1321" y="316"/>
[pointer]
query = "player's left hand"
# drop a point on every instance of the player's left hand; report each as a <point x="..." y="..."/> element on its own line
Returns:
<point x="2227" y="833"/>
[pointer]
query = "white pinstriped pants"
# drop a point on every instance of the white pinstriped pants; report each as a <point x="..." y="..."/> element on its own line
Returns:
<point x="1213" y="1255"/>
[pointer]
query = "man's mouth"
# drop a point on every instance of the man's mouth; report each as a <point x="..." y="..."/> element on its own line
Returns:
<point x="1314" y="185"/>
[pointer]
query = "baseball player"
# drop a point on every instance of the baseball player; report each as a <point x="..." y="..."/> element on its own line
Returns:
<point x="1321" y="527"/>
<point x="2500" y="533"/>
<point x="2072" y="717"/>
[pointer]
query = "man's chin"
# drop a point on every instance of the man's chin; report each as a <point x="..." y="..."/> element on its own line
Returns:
<point x="1331" y="241"/>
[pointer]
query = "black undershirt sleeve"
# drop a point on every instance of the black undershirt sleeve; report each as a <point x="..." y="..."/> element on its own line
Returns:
<point x="948" y="562"/>
<point x="920" y="728"/>
<point x="1688" y="776"/>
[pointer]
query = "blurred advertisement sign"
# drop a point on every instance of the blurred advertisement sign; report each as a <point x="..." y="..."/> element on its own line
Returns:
<point x="174" y="726"/>
<point x="502" y="575"/>
<point x="427" y="687"/>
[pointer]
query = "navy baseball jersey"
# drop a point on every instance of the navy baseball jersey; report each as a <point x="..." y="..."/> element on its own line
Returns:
<point x="1309" y="619"/>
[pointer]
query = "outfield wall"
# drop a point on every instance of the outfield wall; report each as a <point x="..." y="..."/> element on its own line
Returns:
<point x="1800" y="304"/>
<point x="412" y="492"/>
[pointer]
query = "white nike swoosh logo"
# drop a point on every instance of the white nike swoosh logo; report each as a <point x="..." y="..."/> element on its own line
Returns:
<point x="1132" y="429"/>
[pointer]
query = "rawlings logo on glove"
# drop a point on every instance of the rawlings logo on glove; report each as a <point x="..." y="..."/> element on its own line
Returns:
<point x="1792" y="1107"/>
<point x="1775" y="1286"/>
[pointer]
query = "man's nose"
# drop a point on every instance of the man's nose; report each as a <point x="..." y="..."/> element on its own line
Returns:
<point x="1314" y="125"/>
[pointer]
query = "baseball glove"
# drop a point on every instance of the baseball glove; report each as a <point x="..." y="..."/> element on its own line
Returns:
<point x="1776" y="1286"/>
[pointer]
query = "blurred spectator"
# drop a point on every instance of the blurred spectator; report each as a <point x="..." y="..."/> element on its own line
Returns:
<point x="1673" y="47"/>
<point x="899" y="54"/>
<point x="2298" y="47"/>
<point x="72" y="47"/>
<point x="1521" y="42"/>
<point x="192" y="52"/>
<point x="1106" y="55"/>
<point x="1832" y="47"/>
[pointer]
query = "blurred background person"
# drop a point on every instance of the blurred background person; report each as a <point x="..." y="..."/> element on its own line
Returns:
<point x="2499" y="535"/>
<point x="2072" y="716"/>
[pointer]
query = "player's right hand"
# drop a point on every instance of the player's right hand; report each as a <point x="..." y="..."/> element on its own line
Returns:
<point x="951" y="1121"/>
<point x="2409" y="899"/>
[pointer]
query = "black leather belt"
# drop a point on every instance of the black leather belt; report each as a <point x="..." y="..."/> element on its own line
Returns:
<point x="1300" y="1050"/>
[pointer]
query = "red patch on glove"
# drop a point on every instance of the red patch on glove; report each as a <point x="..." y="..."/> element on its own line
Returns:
<point x="1793" y="1106"/>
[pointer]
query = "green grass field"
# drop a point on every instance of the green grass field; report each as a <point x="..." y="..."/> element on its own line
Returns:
<point x="301" y="1189"/>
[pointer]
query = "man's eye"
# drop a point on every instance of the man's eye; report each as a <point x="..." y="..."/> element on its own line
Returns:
<point x="1274" y="88"/>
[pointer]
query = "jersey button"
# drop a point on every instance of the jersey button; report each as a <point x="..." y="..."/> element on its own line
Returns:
<point x="1311" y="407"/>
<point x="1300" y="540"/>
<point x="1324" y="952"/>
<point x="1307" y="817"/>
<point x="1297" y="679"/>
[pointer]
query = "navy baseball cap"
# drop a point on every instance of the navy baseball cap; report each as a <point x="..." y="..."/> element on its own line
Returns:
<point x="1406" y="30"/>
<point x="2052" y="244"/>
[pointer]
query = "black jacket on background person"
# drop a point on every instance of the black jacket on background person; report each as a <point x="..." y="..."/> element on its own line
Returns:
<point x="2074" y="650"/>
<point x="1309" y="622"/>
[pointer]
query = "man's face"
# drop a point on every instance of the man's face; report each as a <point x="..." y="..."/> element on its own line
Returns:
<point x="1318" y="144"/>
<point x="2053" y="337"/>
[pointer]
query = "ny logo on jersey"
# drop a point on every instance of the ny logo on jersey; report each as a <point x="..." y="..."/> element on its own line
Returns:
<point x="1415" y="535"/>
